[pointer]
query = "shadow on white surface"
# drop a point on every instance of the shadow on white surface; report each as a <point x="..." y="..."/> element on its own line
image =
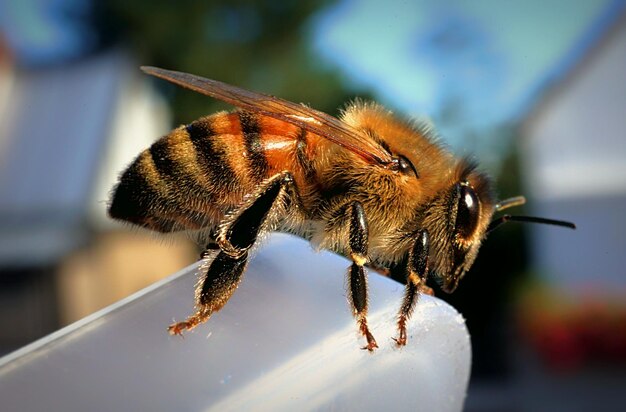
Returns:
<point x="285" y="341"/>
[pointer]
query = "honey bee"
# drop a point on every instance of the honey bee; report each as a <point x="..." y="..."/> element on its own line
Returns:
<point x="368" y="185"/>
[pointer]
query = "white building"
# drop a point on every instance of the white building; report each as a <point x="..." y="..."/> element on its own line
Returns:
<point x="574" y="144"/>
<point x="66" y="132"/>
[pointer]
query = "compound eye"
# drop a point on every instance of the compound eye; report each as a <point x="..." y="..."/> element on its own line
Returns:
<point x="405" y="166"/>
<point x="468" y="209"/>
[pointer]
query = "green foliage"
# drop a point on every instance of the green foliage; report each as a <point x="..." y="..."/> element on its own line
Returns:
<point x="262" y="46"/>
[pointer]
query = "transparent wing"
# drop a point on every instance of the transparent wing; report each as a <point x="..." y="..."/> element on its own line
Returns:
<point x="309" y="119"/>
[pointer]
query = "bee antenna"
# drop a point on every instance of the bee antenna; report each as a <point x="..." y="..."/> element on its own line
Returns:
<point x="528" y="219"/>
<point x="510" y="202"/>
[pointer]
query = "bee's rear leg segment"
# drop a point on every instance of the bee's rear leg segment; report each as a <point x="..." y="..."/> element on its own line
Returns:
<point x="235" y="239"/>
<point x="214" y="290"/>
<point x="416" y="273"/>
<point x="356" y="275"/>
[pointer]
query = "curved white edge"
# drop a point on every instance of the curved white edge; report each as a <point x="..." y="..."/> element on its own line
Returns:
<point x="285" y="340"/>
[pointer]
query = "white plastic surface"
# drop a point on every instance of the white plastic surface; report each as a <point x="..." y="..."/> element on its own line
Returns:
<point x="285" y="341"/>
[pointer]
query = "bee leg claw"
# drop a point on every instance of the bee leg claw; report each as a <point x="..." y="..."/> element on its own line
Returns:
<point x="178" y="328"/>
<point x="426" y="290"/>
<point x="402" y="338"/>
<point x="370" y="346"/>
<point x="400" y="342"/>
<point x="371" y="342"/>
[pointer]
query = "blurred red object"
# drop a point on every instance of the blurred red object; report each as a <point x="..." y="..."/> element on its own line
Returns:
<point x="569" y="332"/>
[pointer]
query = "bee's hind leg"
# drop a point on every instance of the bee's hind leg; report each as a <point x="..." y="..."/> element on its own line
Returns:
<point x="357" y="280"/>
<point x="236" y="236"/>
<point x="214" y="289"/>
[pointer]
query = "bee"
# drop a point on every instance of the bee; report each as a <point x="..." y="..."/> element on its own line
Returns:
<point x="369" y="185"/>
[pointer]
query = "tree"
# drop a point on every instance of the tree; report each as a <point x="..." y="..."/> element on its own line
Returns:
<point x="263" y="46"/>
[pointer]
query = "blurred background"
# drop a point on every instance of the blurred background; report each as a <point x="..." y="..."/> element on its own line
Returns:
<point x="535" y="90"/>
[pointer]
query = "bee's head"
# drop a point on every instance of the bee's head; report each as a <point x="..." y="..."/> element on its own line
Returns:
<point x="457" y="220"/>
<point x="470" y="208"/>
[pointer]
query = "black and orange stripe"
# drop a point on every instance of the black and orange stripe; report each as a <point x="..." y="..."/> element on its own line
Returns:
<point x="253" y="145"/>
<point x="211" y="156"/>
<point x="140" y="199"/>
<point x="190" y="178"/>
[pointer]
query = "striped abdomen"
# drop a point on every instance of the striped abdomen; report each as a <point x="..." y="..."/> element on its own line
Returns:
<point x="190" y="178"/>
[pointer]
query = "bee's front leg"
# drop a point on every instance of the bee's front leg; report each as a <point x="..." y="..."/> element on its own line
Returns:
<point x="236" y="236"/>
<point x="357" y="279"/>
<point x="416" y="273"/>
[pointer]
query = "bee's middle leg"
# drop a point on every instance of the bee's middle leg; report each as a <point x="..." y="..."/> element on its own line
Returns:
<point x="357" y="279"/>
<point x="235" y="238"/>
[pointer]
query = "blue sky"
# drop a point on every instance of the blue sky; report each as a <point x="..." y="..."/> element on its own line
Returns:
<point x="489" y="58"/>
<point x="45" y="31"/>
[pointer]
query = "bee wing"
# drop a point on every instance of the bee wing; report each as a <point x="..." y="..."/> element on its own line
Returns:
<point x="309" y="119"/>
